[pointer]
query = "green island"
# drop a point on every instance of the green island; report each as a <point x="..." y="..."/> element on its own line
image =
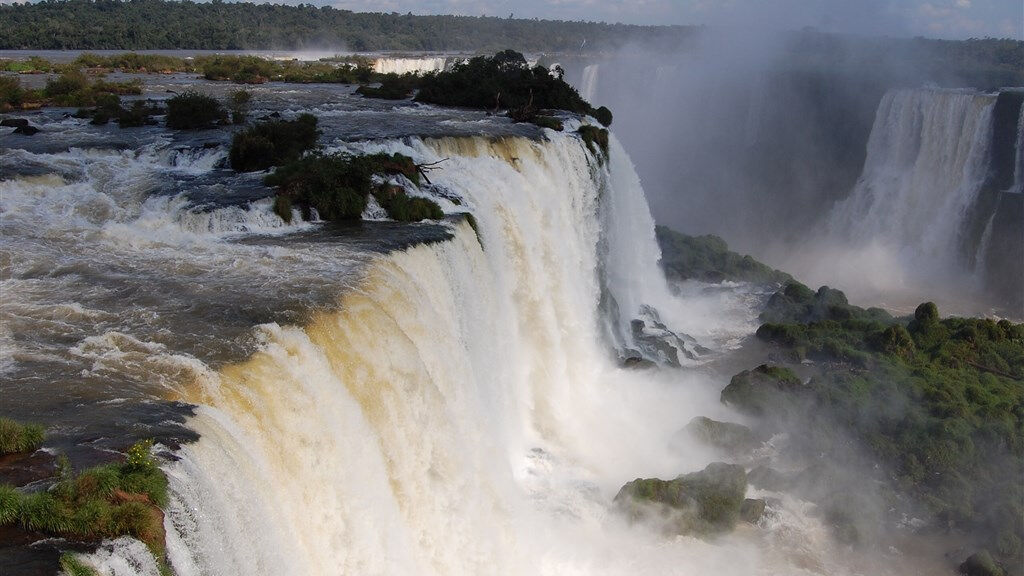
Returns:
<point x="122" y="498"/>
<point x="930" y="410"/>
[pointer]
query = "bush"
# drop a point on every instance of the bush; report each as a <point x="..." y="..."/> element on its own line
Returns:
<point x="603" y="115"/>
<point x="239" y="103"/>
<point x="273" y="143"/>
<point x="337" y="187"/>
<point x="194" y="111"/>
<point x="392" y="87"/>
<point x="11" y="93"/>
<point x="17" y="438"/>
<point x="548" y="122"/>
<point x="504" y="81"/>
<point x="592" y="135"/>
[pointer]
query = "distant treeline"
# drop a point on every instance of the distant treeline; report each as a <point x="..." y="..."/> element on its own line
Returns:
<point x="163" y="25"/>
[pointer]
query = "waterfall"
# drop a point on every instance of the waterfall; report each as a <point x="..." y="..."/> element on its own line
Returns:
<point x="927" y="161"/>
<point x="457" y="396"/>
<point x="407" y="65"/>
<point x="588" y="84"/>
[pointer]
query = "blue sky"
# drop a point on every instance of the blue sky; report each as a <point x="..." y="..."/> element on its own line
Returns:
<point x="932" y="18"/>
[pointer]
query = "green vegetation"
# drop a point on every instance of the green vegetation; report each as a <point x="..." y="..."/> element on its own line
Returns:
<point x="106" y="501"/>
<point x="392" y="87"/>
<point x="703" y="503"/>
<point x="594" y="136"/>
<point x="17" y="438"/>
<point x="273" y="143"/>
<point x="131" y="62"/>
<point x="33" y="65"/>
<point x="728" y="436"/>
<point x="708" y="258"/>
<point x="72" y="566"/>
<point x="154" y="24"/>
<point x="192" y="110"/>
<point x="337" y="187"/>
<point x="503" y="82"/>
<point x="548" y="122"/>
<point x="109" y="107"/>
<point x="941" y="401"/>
<point x="238" y="103"/>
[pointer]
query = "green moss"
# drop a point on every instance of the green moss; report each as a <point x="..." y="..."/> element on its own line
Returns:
<point x="16" y="438"/>
<point x="548" y="122"/>
<point x="192" y="110"/>
<point x="762" y="391"/>
<point x="273" y="143"/>
<point x="724" y="435"/>
<point x="703" y="503"/>
<point x="595" y="138"/>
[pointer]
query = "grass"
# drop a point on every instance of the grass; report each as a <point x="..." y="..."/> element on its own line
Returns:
<point x="16" y="438"/>
<point x="118" y="499"/>
<point x="72" y="566"/>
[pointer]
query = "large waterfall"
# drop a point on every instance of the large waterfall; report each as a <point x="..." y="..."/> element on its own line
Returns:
<point x="459" y="412"/>
<point x="928" y="158"/>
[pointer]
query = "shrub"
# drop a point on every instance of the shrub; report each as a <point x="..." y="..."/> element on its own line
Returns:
<point x="17" y="438"/>
<point x="592" y="135"/>
<point x="193" y="111"/>
<point x="66" y="84"/>
<point x="337" y="187"/>
<point x="11" y="93"/>
<point x="603" y="115"/>
<point x="273" y="143"/>
<point x="392" y="87"/>
<point x="548" y="122"/>
<point x="239" y="104"/>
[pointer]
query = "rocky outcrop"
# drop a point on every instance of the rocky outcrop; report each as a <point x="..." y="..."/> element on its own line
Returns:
<point x="727" y="436"/>
<point x="703" y="503"/>
<point x="762" y="391"/>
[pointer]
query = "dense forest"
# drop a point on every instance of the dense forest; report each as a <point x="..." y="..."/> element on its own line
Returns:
<point x="157" y="24"/>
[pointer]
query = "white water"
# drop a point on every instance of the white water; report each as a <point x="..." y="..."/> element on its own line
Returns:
<point x="588" y="85"/>
<point x="409" y="65"/>
<point x="926" y="163"/>
<point x="459" y="413"/>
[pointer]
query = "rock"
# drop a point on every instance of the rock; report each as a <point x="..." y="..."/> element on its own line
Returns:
<point x="14" y="122"/>
<point x="733" y="438"/>
<point x="763" y="391"/>
<point x="26" y="130"/>
<point x="752" y="510"/>
<point x="767" y="478"/>
<point x="637" y="363"/>
<point x="981" y="564"/>
<point x="702" y="503"/>
<point x="22" y="469"/>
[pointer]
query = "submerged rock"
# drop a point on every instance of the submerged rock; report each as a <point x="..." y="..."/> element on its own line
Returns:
<point x="26" y="130"/>
<point x="14" y="122"/>
<point x="728" y="436"/>
<point x="702" y="503"/>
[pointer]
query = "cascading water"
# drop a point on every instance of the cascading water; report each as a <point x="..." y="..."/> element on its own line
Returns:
<point x="926" y="164"/>
<point x="389" y="65"/>
<point x="458" y="413"/>
<point x="588" y="84"/>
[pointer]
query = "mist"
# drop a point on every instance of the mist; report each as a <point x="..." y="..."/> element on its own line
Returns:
<point x="760" y="136"/>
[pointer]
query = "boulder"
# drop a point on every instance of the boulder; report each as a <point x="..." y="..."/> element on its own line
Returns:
<point x="752" y="510"/>
<point x="981" y="564"/>
<point x="727" y="436"/>
<point x="14" y="122"/>
<point x="702" y="503"/>
<point x="26" y="130"/>
<point x="763" y="391"/>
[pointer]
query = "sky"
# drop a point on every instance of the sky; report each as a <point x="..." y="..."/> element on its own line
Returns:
<point x="932" y="18"/>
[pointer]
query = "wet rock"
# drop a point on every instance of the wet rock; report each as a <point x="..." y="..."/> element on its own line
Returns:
<point x="765" y="390"/>
<point x="981" y="564"/>
<point x="14" y="122"/>
<point x="26" y="130"/>
<point x="767" y="478"/>
<point x="752" y="510"/>
<point x="22" y="469"/>
<point x="727" y="436"/>
<point x="702" y="503"/>
<point x="656" y="342"/>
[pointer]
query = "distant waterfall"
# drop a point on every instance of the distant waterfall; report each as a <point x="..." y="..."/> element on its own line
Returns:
<point x="588" y="84"/>
<point x="927" y="162"/>
<point x="406" y="65"/>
